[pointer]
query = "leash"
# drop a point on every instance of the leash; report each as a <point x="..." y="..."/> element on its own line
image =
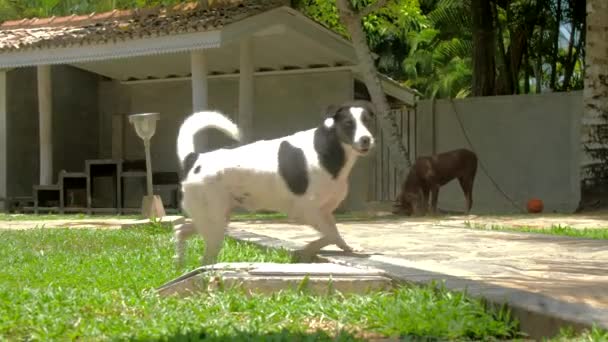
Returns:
<point x="485" y="171"/>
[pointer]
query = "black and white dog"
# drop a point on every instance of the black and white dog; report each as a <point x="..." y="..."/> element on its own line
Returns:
<point x="304" y="175"/>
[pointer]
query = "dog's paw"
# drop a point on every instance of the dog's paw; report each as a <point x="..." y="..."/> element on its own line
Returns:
<point x="351" y="248"/>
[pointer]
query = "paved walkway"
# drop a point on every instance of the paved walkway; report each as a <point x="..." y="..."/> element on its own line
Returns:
<point x="546" y="279"/>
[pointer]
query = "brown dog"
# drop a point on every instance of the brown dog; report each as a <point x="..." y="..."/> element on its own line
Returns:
<point x="429" y="173"/>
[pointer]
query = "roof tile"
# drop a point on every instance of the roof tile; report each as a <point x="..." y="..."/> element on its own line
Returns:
<point x="119" y="25"/>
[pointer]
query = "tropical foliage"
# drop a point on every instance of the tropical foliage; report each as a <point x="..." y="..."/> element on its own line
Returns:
<point x="428" y="45"/>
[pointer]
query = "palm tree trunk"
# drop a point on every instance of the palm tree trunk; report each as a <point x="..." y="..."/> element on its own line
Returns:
<point x="538" y="70"/>
<point x="573" y="56"/>
<point x="503" y="83"/>
<point x="555" y="46"/>
<point x="352" y="21"/>
<point x="596" y="86"/>
<point x="483" y="49"/>
<point x="527" y="71"/>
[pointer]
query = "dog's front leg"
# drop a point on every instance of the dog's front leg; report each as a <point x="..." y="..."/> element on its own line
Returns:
<point x="425" y="191"/>
<point x="435" y="196"/>
<point x="309" y="251"/>
<point x="339" y="241"/>
<point x="325" y="224"/>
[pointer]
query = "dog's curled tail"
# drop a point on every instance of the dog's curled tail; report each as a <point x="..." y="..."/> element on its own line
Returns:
<point x="199" y="121"/>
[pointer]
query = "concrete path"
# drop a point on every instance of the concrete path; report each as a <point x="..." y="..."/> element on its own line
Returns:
<point x="547" y="280"/>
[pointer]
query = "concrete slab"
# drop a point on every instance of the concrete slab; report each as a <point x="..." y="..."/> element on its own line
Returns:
<point x="115" y="222"/>
<point x="319" y="278"/>
<point x="548" y="281"/>
<point x="175" y="219"/>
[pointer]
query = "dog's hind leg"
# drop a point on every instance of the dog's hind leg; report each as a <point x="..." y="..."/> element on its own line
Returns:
<point x="211" y="226"/>
<point x="434" y="198"/>
<point x="467" y="189"/>
<point x="181" y="233"/>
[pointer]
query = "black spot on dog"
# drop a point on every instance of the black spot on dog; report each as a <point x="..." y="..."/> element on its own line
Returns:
<point x="188" y="163"/>
<point x="331" y="153"/>
<point x="197" y="169"/>
<point x="293" y="168"/>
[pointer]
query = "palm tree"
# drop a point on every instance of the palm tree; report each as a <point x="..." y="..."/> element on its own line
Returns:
<point x="439" y="60"/>
<point x="596" y="87"/>
<point x="352" y="20"/>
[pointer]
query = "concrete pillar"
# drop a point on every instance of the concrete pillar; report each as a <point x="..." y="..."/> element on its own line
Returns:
<point x="3" y="142"/>
<point x="200" y="85"/>
<point x="45" y="119"/>
<point x="246" y="89"/>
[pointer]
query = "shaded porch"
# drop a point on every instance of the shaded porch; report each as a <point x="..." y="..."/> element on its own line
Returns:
<point x="273" y="73"/>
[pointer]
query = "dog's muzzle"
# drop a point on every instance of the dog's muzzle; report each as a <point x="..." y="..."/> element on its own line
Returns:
<point x="364" y="144"/>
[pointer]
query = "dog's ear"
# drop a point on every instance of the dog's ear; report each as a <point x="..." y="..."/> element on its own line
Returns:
<point x="333" y="110"/>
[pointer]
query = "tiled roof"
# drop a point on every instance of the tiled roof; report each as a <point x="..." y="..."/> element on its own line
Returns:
<point x="127" y="24"/>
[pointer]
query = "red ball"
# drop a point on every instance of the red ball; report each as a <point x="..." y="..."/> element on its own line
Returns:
<point x="535" y="206"/>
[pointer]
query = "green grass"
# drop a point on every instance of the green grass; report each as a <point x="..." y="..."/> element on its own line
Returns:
<point x="45" y="217"/>
<point x="87" y="284"/>
<point x="594" y="334"/>
<point x="587" y="233"/>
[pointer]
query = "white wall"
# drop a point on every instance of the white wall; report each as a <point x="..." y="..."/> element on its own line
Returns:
<point x="529" y="144"/>
<point x="283" y="104"/>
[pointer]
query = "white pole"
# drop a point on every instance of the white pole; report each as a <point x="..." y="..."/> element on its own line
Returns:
<point x="148" y="167"/>
<point x="45" y="119"/>
<point x="246" y="88"/>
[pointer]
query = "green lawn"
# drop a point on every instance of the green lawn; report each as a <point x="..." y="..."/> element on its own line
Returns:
<point x="87" y="284"/>
<point x="587" y="233"/>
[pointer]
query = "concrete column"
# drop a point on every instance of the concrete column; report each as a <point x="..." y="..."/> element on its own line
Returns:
<point x="45" y="119"/>
<point x="200" y="85"/>
<point x="246" y="89"/>
<point x="3" y="142"/>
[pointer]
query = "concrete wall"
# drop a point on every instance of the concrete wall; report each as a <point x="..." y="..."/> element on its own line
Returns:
<point x="75" y="122"/>
<point x="529" y="144"/>
<point x="283" y="104"/>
